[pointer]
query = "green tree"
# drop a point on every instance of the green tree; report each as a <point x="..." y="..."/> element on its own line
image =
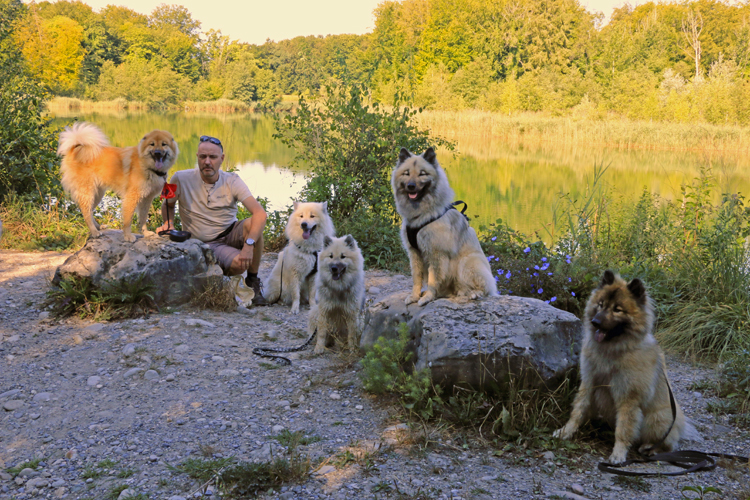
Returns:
<point x="28" y="160"/>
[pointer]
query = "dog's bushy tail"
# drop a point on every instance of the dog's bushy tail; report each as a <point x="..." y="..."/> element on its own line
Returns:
<point x="82" y="140"/>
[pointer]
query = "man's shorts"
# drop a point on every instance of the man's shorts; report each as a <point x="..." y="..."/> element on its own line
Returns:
<point x="228" y="247"/>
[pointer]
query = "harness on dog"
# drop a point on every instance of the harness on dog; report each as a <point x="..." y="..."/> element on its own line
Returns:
<point x="412" y="232"/>
<point x="315" y="266"/>
<point x="688" y="460"/>
<point x="159" y="173"/>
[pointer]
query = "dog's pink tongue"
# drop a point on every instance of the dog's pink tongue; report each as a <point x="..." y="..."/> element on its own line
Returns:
<point x="599" y="336"/>
<point x="305" y="234"/>
<point x="413" y="196"/>
<point x="158" y="164"/>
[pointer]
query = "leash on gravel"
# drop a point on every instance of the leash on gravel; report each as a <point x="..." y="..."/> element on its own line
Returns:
<point x="267" y="352"/>
<point x="688" y="460"/>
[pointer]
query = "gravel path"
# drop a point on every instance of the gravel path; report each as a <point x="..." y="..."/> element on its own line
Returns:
<point x="107" y="405"/>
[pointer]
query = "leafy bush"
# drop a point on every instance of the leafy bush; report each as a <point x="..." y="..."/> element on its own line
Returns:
<point x="386" y="369"/>
<point x="350" y="148"/>
<point x="115" y="300"/>
<point x="28" y="143"/>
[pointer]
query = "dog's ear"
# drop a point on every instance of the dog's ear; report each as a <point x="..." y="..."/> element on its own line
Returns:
<point x="327" y="241"/>
<point x="638" y="289"/>
<point x="429" y="156"/>
<point x="607" y="278"/>
<point x="350" y="241"/>
<point x="325" y="206"/>
<point x="403" y="155"/>
<point x="295" y="205"/>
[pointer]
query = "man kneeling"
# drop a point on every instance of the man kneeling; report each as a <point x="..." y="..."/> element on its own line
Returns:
<point x="208" y="199"/>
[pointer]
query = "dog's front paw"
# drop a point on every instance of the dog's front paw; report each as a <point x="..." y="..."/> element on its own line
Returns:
<point x="319" y="349"/>
<point x="295" y="308"/>
<point x="95" y="233"/>
<point x="147" y="233"/>
<point x="426" y="298"/>
<point x="618" y="456"/>
<point x="411" y="299"/>
<point x="129" y="237"/>
<point x="648" y="449"/>
<point x="563" y="433"/>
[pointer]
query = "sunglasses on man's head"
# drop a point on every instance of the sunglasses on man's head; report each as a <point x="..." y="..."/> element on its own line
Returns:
<point x="212" y="140"/>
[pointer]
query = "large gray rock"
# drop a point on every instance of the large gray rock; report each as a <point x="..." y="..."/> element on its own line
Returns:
<point x="179" y="270"/>
<point x="482" y="343"/>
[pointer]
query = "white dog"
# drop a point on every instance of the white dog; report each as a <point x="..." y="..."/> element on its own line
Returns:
<point x="292" y="278"/>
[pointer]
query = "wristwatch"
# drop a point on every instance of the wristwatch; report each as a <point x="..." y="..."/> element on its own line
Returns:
<point x="250" y="241"/>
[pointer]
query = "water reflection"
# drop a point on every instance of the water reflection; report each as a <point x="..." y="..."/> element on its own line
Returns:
<point x="519" y="183"/>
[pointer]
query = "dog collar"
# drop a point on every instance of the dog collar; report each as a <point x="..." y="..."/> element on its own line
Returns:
<point x="158" y="172"/>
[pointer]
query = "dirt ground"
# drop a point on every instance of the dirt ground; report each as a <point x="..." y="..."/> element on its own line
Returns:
<point x="108" y="405"/>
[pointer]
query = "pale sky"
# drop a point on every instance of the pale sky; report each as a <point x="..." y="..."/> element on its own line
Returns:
<point x="254" y="21"/>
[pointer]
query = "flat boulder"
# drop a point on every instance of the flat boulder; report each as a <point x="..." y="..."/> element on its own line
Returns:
<point x="482" y="343"/>
<point x="178" y="270"/>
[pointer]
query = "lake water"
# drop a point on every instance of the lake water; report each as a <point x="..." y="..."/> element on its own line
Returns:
<point x="519" y="184"/>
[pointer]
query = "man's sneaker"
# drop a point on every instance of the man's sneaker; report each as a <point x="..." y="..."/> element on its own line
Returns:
<point x="257" y="285"/>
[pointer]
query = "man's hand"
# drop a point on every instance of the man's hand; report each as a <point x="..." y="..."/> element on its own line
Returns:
<point x="164" y="227"/>
<point x="246" y="257"/>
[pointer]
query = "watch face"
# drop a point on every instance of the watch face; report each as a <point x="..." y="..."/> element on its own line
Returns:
<point x="250" y="241"/>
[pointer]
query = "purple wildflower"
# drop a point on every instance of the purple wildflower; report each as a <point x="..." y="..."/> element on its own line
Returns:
<point x="526" y="250"/>
<point x="544" y="259"/>
<point x="553" y="299"/>
<point x="507" y="276"/>
<point x="573" y="294"/>
<point x="539" y="291"/>
<point x="493" y="238"/>
<point x="536" y="267"/>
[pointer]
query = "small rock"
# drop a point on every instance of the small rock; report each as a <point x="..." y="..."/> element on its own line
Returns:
<point x="9" y="393"/>
<point x="374" y="290"/>
<point x="359" y="407"/>
<point x="128" y="350"/>
<point x="37" y="482"/>
<point x="228" y="373"/>
<point x="94" y="329"/>
<point x="42" y="397"/>
<point x="34" y="416"/>
<point x="126" y="493"/>
<point x="697" y="395"/>
<point x="548" y="455"/>
<point x="60" y="492"/>
<point x="182" y="348"/>
<point x="218" y="359"/>
<point x="12" y="405"/>
<point x="576" y="488"/>
<point x="176" y="497"/>
<point x="43" y="315"/>
<point x="13" y="338"/>
<point x="170" y="377"/>
<point x="28" y="472"/>
<point x="151" y="375"/>
<point x="326" y="469"/>
<point x="277" y="428"/>
<point x="153" y="458"/>
<point x="131" y="372"/>
<point x="282" y="403"/>
<point x="199" y="322"/>
<point x="334" y="395"/>
<point x="4" y="476"/>
<point x="93" y="380"/>
<point x="566" y="495"/>
<point x="72" y="454"/>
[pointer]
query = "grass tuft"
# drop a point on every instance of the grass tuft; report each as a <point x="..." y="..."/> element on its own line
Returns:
<point x="216" y="295"/>
<point x="78" y="296"/>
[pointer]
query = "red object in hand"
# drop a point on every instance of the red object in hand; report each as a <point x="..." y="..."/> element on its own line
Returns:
<point x="168" y="191"/>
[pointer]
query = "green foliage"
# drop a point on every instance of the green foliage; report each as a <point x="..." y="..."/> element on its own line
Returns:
<point x="29" y="464"/>
<point x="141" y="80"/>
<point x="350" y="147"/>
<point x="294" y="439"/>
<point x="115" y="300"/>
<point x="699" y="492"/>
<point x="28" y="159"/>
<point x="386" y="369"/>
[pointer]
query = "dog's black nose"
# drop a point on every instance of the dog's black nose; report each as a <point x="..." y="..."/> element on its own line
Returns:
<point x="338" y="268"/>
<point x="158" y="154"/>
<point x="304" y="225"/>
<point x="412" y="186"/>
<point x="596" y="321"/>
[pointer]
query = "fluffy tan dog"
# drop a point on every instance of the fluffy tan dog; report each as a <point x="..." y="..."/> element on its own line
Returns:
<point x="137" y="174"/>
<point x="293" y="275"/>
<point x="624" y="374"/>
<point x="442" y="247"/>
<point x="339" y="292"/>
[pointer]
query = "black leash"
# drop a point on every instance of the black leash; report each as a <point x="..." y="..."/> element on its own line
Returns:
<point x="688" y="460"/>
<point x="265" y="352"/>
<point x="412" y="232"/>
